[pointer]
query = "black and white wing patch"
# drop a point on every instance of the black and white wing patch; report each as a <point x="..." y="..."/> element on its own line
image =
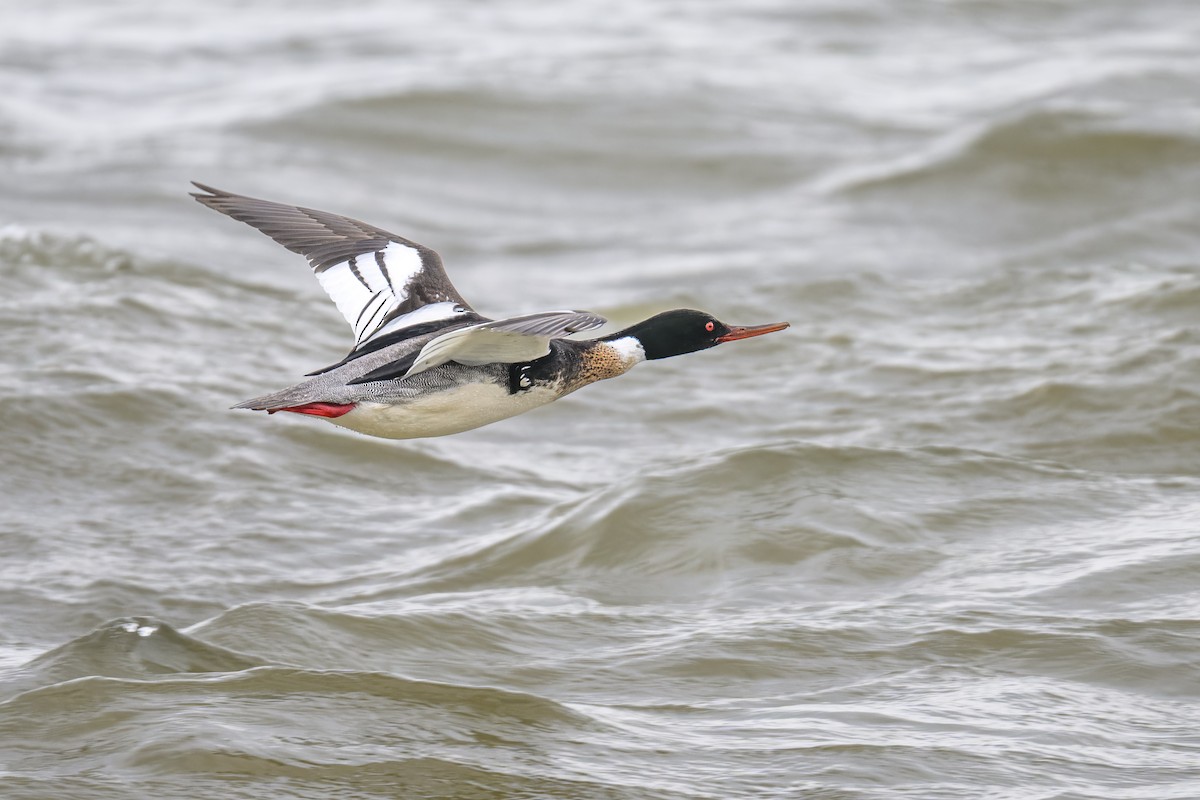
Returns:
<point x="380" y="282"/>
<point x="502" y="341"/>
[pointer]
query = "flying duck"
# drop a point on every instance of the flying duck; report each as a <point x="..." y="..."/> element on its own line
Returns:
<point x="424" y="363"/>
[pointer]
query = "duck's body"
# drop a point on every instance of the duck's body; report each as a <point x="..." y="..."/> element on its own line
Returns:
<point x="424" y="363"/>
<point x="449" y="398"/>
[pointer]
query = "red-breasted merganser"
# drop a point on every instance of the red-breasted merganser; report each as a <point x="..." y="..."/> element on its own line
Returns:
<point x="424" y="363"/>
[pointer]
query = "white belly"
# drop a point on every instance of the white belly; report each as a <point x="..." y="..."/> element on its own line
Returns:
<point x="452" y="411"/>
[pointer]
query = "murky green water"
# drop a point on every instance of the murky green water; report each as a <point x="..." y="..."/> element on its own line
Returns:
<point x="938" y="540"/>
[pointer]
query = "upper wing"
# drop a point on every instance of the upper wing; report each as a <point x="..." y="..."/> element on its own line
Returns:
<point x="378" y="280"/>
<point x="502" y="341"/>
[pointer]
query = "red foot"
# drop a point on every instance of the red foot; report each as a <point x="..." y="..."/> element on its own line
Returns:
<point x="320" y="409"/>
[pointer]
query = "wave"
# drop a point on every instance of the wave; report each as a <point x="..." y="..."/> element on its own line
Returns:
<point x="1054" y="145"/>
<point x="481" y="135"/>
<point x="1058" y="179"/>
<point x="819" y="513"/>
<point x="133" y="648"/>
<point x="285" y="723"/>
<point x="1140" y="656"/>
<point x="411" y="636"/>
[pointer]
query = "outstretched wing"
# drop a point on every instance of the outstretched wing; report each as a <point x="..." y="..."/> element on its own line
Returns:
<point x="380" y="282"/>
<point x="502" y="341"/>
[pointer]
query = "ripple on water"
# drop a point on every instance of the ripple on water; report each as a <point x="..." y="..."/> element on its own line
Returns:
<point x="936" y="541"/>
<point x="182" y="707"/>
<point x="829" y="517"/>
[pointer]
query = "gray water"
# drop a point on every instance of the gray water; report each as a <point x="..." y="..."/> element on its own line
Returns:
<point x="938" y="540"/>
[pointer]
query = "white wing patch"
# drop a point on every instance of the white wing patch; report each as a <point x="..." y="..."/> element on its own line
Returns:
<point x="503" y="341"/>
<point x="370" y="274"/>
<point x="369" y="286"/>
<point x="430" y="313"/>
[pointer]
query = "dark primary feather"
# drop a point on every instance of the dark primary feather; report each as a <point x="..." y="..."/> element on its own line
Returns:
<point x="327" y="239"/>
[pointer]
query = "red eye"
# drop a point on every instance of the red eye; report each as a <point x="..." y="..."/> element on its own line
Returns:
<point x="708" y="326"/>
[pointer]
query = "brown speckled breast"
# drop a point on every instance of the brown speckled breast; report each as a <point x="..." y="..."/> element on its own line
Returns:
<point x="597" y="361"/>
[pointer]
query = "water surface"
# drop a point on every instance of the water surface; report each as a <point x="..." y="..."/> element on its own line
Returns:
<point x="938" y="540"/>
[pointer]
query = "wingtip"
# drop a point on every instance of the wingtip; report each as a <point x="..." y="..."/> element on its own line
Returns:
<point x="211" y="192"/>
<point x="589" y="321"/>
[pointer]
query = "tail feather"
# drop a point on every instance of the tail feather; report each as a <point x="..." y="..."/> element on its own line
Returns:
<point x="274" y="403"/>
<point x="256" y="404"/>
<point x="321" y="389"/>
<point x="278" y="401"/>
